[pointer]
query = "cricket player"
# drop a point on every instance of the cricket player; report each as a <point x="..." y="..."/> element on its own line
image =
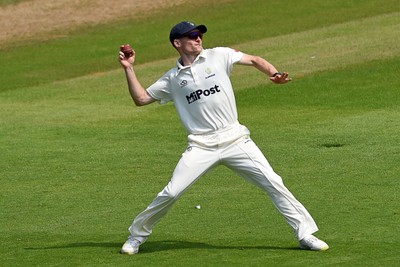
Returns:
<point x="200" y="88"/>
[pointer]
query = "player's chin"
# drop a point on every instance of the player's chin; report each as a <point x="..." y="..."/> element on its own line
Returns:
<point x="199" y="48"/>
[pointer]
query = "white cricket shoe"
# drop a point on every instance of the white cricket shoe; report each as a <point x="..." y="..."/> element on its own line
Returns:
<point x="313" y="243"/>
<point x="131" y="246"/>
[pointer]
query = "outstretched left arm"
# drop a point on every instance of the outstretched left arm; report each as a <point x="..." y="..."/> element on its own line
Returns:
<point x="265" y="67"/>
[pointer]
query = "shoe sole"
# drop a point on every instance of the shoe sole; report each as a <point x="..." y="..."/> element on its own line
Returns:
<point x="128" y="253"/>
<point x="321" y="249"/>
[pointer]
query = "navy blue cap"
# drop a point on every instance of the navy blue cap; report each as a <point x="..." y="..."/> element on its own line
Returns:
<point x="180" y="29"/>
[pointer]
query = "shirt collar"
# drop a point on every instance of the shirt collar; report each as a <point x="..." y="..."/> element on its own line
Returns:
<point x="181" y="67"/>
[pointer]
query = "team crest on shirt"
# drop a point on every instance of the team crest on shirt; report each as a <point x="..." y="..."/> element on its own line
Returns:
<point x="209" y="73"/>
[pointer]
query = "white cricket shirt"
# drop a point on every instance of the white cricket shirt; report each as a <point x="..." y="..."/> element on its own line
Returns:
<point x="202" y="92"/>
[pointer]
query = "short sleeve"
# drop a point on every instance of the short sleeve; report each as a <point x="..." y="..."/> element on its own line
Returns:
<point x="229" y="56"/>
<point x="236" y="55"/>
<point x="161" y="90"/>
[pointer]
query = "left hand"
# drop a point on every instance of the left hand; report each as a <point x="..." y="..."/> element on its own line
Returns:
<point x="281" y="78"/>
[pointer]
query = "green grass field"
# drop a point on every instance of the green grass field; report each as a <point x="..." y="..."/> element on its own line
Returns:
<point x="78" y="160"/>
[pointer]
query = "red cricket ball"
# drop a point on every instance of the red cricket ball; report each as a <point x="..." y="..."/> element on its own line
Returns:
<point x="127" y="50"/>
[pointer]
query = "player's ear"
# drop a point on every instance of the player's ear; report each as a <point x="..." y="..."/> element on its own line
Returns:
<point x="177" y="43"/>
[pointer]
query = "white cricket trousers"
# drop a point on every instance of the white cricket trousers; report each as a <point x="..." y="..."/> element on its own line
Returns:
<point x="242" y="156"/>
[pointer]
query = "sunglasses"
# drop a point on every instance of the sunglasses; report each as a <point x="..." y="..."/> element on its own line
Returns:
<point x="194" y="35"/>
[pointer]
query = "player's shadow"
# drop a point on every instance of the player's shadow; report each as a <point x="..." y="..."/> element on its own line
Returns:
<point x="156" y="246"/>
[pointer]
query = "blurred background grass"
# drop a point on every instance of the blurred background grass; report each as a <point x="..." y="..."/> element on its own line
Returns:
<point x="78" y="161"/>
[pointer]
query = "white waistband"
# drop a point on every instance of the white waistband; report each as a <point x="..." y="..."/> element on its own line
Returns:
<point x="228" y="134"/>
